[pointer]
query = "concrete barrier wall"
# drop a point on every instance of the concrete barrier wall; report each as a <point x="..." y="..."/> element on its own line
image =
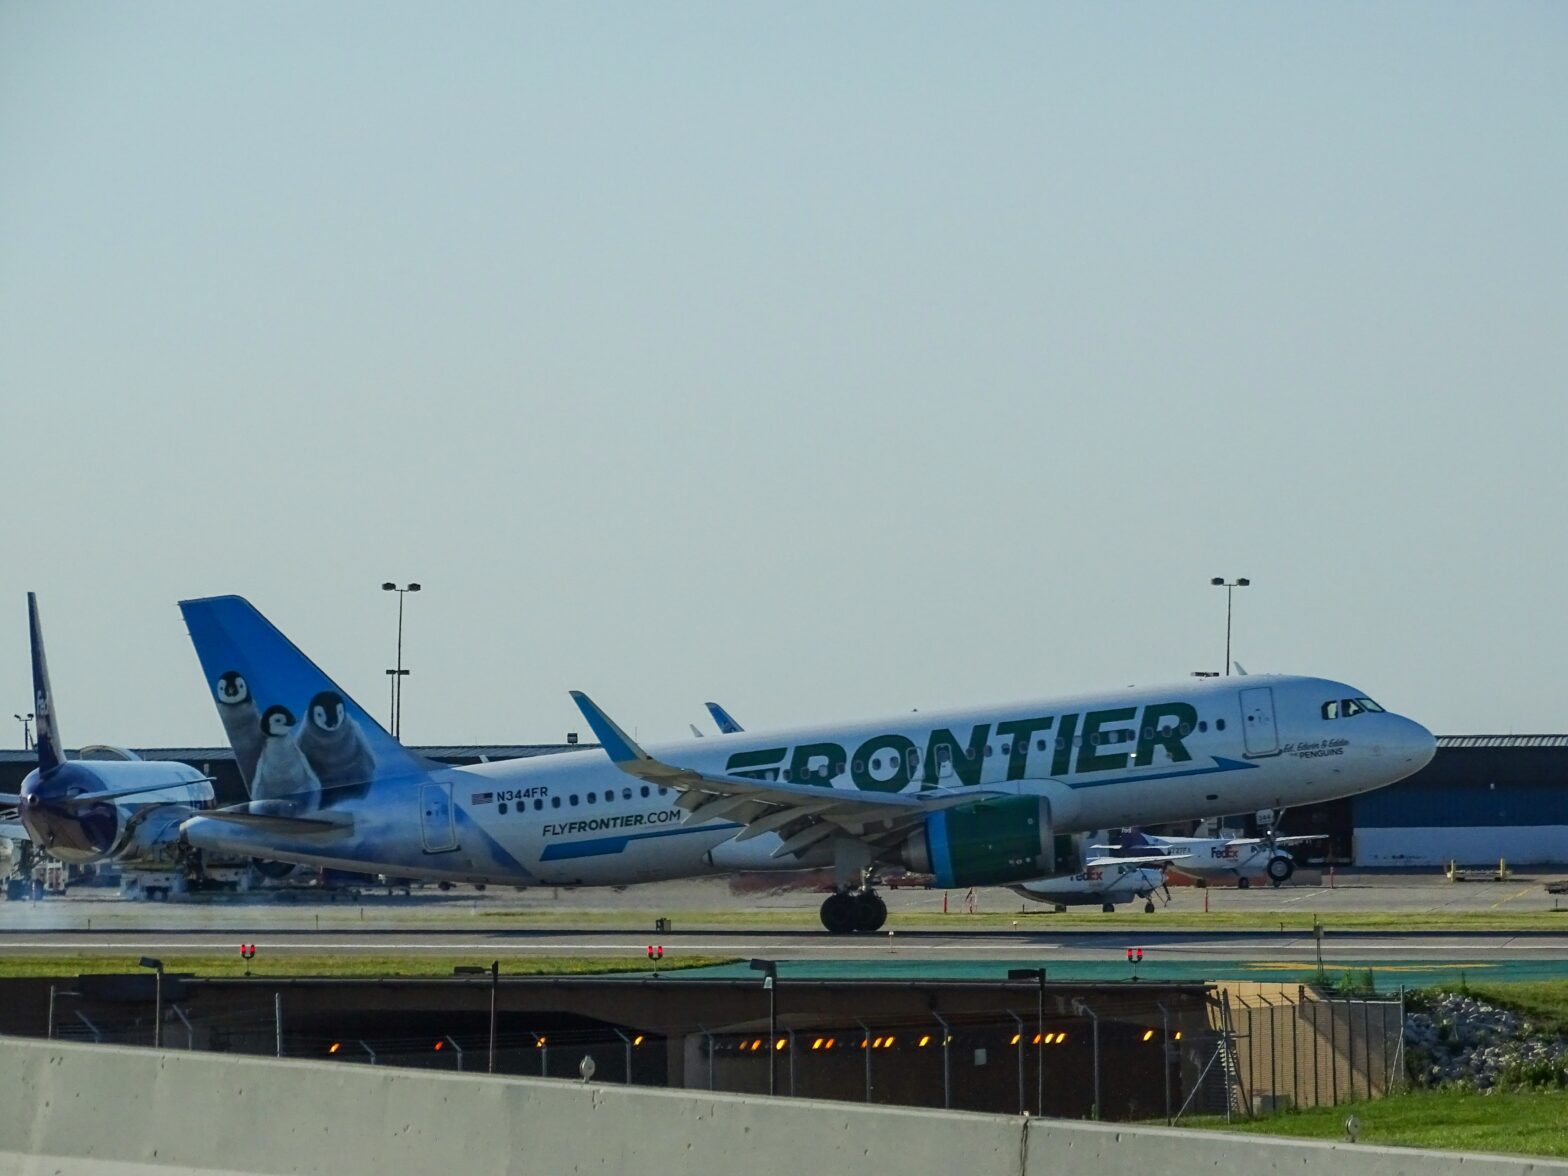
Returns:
<point x="113" y="1111"/>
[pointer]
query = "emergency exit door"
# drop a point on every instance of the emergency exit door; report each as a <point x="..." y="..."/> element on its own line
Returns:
<point x="1257" y="721"/>
<point x="435" y="818"/>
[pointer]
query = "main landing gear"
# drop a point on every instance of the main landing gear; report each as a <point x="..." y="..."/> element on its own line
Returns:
<point x="845" y="911"/>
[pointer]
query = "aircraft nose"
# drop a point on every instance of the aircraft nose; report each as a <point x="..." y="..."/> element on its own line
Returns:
<point x="1415" y="743"/>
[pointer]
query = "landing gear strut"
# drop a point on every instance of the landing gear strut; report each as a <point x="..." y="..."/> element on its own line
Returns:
<point x="844" y="911"/>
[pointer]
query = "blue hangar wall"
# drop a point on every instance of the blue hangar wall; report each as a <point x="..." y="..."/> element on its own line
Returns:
<point x="1483" y="797"/>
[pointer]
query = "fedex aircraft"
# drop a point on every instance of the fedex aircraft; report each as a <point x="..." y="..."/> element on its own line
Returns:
<point x="113" y="806"/>
<point x="1211" y="857"/>
<point x="976" y="797"/>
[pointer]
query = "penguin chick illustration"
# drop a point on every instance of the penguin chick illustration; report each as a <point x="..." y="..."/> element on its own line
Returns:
<point x="282" y="772"/>
<point x="241" y="722"/>
<point x="335" y="746"/>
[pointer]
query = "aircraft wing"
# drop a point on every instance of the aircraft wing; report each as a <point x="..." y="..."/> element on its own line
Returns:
<point x="766" y="806"/>
<point x="10" y="831"/>
<point x="10" y="799"/>
<point x="1157" y="859"/>
<point x="1300" y="837"/>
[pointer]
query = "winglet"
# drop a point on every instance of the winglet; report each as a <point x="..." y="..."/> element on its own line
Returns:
<point x="617" y="744"/>
<point x="51" y="753"/>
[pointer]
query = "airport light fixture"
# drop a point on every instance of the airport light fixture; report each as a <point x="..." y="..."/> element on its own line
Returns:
<point x="399" y="673"/>
<point x="27" y="730"/>
<point x="157" y="1008"/>
<point x="1230" y="586"/>
<point x="1038" y="976"/>
<point x="770" y="981"/>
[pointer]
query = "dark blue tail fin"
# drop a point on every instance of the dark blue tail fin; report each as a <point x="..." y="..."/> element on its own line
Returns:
<point x="51" y="752"/>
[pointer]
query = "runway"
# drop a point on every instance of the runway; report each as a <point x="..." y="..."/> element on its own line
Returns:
<point x="711" y="920"/>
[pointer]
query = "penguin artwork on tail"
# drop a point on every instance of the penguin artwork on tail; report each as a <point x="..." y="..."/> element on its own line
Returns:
<point x="335" y="747"/>
<point x="283" y="774"/>
<point x="241" y="722"/>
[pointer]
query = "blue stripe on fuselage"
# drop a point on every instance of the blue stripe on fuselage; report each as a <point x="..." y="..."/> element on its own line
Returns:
<point x="601" y="846"/>
<point x="1221" y="764"/>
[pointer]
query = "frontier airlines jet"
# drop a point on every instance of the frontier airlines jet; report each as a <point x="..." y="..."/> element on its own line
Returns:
<point x="979" y="797"/>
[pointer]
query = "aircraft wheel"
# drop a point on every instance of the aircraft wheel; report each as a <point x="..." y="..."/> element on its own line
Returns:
<point x="1109" y="908"/>
<point x="1280" y="869"/>
<point x="870" y="911"/>
<point x="1243" y="883"/>
<point x="838" y="913"/>
<point x="1148" y="908"/>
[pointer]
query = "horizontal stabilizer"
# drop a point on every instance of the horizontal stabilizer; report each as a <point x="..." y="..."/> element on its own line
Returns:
<point x="88" y="799"/>
<point x="319" y="825"/>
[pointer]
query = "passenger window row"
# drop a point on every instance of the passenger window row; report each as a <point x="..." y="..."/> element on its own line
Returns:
<point x="594" y="798"/>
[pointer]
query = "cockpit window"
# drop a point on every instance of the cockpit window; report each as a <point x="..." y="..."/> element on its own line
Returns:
<point x="1344" y="708"/>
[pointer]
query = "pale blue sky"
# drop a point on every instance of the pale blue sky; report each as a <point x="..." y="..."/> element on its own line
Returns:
<point x="826" y="359"/>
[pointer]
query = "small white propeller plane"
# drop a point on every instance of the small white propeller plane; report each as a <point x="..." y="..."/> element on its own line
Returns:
<point x="1242" y="858"/>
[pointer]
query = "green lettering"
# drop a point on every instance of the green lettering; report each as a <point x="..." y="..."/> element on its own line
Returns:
<point x="807" y="764"/>
<point x="967" y="761"/>
<point x="1020" y="730"/>
<point x="1064" y="745"/>
<point x="1090" y="758"/>
<point x="1169" y="737"/>
<point x="751" y="764"/>
<point x="860" y="769"/>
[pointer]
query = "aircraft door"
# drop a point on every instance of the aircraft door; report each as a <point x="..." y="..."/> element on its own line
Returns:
<point x="1257" y="721"/>
<point x="436" y="825"/>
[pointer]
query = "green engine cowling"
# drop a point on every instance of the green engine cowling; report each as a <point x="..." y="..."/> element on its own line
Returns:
<point x="986" y="843"/>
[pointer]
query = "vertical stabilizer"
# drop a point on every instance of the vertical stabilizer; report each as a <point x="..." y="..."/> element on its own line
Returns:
<point x="51" y="753"/>
<point x="296" y="735"/>
<point x="721" y="717"/>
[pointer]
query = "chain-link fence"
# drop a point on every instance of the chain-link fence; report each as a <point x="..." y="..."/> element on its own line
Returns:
<point x="1280" y="1048"/>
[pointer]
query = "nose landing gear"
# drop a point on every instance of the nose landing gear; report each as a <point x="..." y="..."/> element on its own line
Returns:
<point x="846" y="911"/>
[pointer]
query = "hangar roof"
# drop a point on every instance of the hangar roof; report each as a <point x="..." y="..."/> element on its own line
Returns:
<point x="1447" y="741"/>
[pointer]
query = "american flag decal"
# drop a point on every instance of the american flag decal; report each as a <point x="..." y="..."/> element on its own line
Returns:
<point x="482" y="798"/>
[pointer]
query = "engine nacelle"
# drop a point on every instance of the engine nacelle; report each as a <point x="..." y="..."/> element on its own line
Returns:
<point x="987" y="843"/>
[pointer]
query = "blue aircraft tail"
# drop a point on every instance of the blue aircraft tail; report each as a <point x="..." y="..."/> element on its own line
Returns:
<point x="721" y="719"/>
<point x="51" y="752"/>
<point x="1134" y="839"/>
<point x="296" y="735"/>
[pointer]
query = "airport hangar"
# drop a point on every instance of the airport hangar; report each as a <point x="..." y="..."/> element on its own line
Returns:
<point x="1481" y="799"/>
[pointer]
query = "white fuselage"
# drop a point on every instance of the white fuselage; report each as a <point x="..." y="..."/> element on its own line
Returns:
<point x="1134" y="756"/>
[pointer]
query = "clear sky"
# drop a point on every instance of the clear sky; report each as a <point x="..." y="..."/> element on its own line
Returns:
<point x="828" y="360"/>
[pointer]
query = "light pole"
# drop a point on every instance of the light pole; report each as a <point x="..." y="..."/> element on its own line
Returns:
<point x="770" y="981"/>
<point x="1037" y="975"/>
<point x="27" y="730"/>
<point x="157" y="1014"/>
<point x="1083" y="1009"/>
<point x="495" y="983"/>
<point x="1229" y="586"/>
<point x="397" y="675"/>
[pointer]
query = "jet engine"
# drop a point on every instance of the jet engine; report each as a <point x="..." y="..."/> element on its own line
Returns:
<point x="987" y="843"/>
